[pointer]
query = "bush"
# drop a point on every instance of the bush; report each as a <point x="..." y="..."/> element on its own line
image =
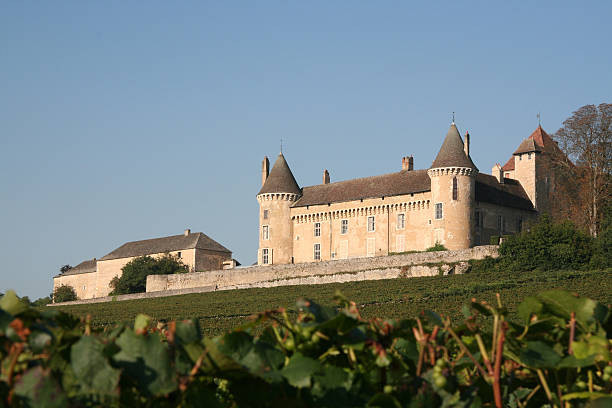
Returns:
<point x="437" y="247"/>
<point x="494" y="240"/>
<point x="547" y="245"/>
<point x="64" y="293"/>
<point x="134" y="274"/>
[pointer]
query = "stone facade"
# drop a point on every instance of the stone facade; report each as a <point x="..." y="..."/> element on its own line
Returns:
<point x="450" y="203"/>
<point x="91" y="279"/>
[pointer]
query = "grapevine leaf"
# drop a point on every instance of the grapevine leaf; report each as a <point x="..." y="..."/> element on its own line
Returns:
<point x="37" y="388"/>
<point x="5" y="320"/>
<point x="539" y="355"/>
<point x="142" y="321"/>
<point x="528" y="307"/>
<point x="381" y="400"/>
<point x="146" y="360"/>
<point x="187" y="332"/>
<point x="10" y="303"/>
<point x="300" y="370"/>
<point x="38" y="340"/>
<point x="90" y="367"/>
<point x="333" y="377"/>
<point x="562" y="303"/>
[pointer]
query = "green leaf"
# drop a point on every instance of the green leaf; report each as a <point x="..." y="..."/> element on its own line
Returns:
<point x="408" y="349"/>
<point x="539" y="355"/>
<point x="595" y="347"/>
<point x="142" y="321"/>
<point x="300" y="370"/>
<point x="10" y="303"/>
<point x="333" y="377"/>
<point x="91" y="369"/>
<point x="187" y="332"/>
<point x="5" y="320"/>
<point x="562" y="303"/>
<point x="37" y="388"/>
<point x="146" y="360"/>
<point x="264" y="361"/>
<point x="38" y="340"/>
<point x="528" y="307"/>
<point x="381" y="400"/>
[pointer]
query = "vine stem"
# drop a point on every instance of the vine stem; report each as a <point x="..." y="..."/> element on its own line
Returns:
<point x="465" y="349"/>
<point x="497" y="371"/>
<point x="545" y="385"/>
<point x="572" y="331"/>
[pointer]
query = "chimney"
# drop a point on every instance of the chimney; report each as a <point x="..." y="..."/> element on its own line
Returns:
<point x="325" y="177"/>
<point x="187" y="231"/>
<point x="408" y="163"/>
<point x="466" y="144"/>
<point x="265" y="170"/>
<point x="498" y="173"/>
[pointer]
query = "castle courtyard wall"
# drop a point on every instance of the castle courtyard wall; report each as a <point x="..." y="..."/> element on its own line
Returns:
<point x="84" y="284"/>
<point x="387" y="267"/>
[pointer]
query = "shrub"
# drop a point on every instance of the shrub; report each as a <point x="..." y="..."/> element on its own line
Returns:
<point x="437" y="247"/>
<point x="64" y="293"/>
<point x="547" y="245"/>
<point x="494" y="240"/>
<point x="134" y="274"/>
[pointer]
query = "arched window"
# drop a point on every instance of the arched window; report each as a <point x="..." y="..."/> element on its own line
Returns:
<point x="454" y="188"/>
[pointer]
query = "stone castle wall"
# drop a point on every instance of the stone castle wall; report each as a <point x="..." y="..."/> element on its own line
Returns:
<point x="372" y="268"/>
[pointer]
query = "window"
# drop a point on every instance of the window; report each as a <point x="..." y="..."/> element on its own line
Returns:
<point x="265" y="215"/>
<point x="370" y="247"/>
<point x="317" y="252"/>
<point x="343" y="226"/>
<point x="178" y="254"/>
<point x="454" y="188"/>
<point x="265" y="256"/>
<point x="371" y="224"/>
<point x="401" y="221"/>
<point x="400" y="244"/>
<point x="439" y="211"/>
<point x="528" y="156"/>
<point x="317" y="229"/>
<point x="265" y="232"/>
<point x="501" y="223"/>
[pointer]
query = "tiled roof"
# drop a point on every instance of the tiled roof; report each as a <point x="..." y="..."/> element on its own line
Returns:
<point x="451" y="153"/>
<point x="84" y="267"/>
<point x="538" y="141"/>
<point x="281" y="179"/>
<point x="403" y="182"/>
<point x="166" y="244"/>
<point x="509" y="164"/>
<point x="508" y="194"/>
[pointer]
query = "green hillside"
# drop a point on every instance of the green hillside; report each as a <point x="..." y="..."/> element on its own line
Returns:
<point x="224" y="310"/>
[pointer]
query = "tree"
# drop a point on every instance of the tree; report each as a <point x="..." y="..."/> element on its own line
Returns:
<point x="64" y="293"/>
<point x="586" y="140"/>
<point x="65" y="268"/>
<point x="134" y="274"/>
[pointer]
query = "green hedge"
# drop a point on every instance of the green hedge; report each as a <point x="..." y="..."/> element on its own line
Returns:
<point x="327" y="357"/>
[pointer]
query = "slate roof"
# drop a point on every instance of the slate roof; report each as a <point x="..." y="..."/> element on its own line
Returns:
<point x="280" y="179"/>
<point x="197" y="240"/>
<point x="84" y="267"/>
<point x="451" y="153"/>
<point x="392" y="184"/>
<point x="508" y="194"/>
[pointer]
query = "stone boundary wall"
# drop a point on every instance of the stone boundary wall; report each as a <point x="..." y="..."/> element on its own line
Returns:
<point x="312" y="273"/>
<point x="134" y="296"/>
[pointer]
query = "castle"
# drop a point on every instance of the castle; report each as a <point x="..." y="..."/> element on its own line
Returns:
<point x="451" y="204"/>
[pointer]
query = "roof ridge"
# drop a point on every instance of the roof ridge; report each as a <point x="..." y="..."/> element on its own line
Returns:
<point x="365" y="178"/>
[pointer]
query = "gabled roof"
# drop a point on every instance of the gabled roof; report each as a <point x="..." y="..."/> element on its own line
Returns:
<point x="84" y="267"/>
<point x="451" y="153"/>
<point x="538" y="141"/>
<point x="509" y="164"/>
<point x="281" y="179"/>
<point x="509" y="194"/>
<point x="386" y="185"/>
<point x="197" y="240"/>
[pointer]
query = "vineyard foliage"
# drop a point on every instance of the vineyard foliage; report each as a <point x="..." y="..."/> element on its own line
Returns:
<point x="557" y="353"/>
<point x="220" y="311"/>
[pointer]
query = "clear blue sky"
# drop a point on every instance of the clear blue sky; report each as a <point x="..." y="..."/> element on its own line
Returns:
<point x="122" y="120"/>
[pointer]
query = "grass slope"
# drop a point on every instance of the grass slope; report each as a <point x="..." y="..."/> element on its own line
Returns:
<point x="395" y="298"/>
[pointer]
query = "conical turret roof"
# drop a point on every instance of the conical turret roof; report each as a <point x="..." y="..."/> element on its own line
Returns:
<point x="281" y="179"/>
<point x="451" y="153"/>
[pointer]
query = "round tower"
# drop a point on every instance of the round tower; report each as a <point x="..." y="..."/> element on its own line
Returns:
<point x="453" y="179"/>
<point x="278" y="193"/>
